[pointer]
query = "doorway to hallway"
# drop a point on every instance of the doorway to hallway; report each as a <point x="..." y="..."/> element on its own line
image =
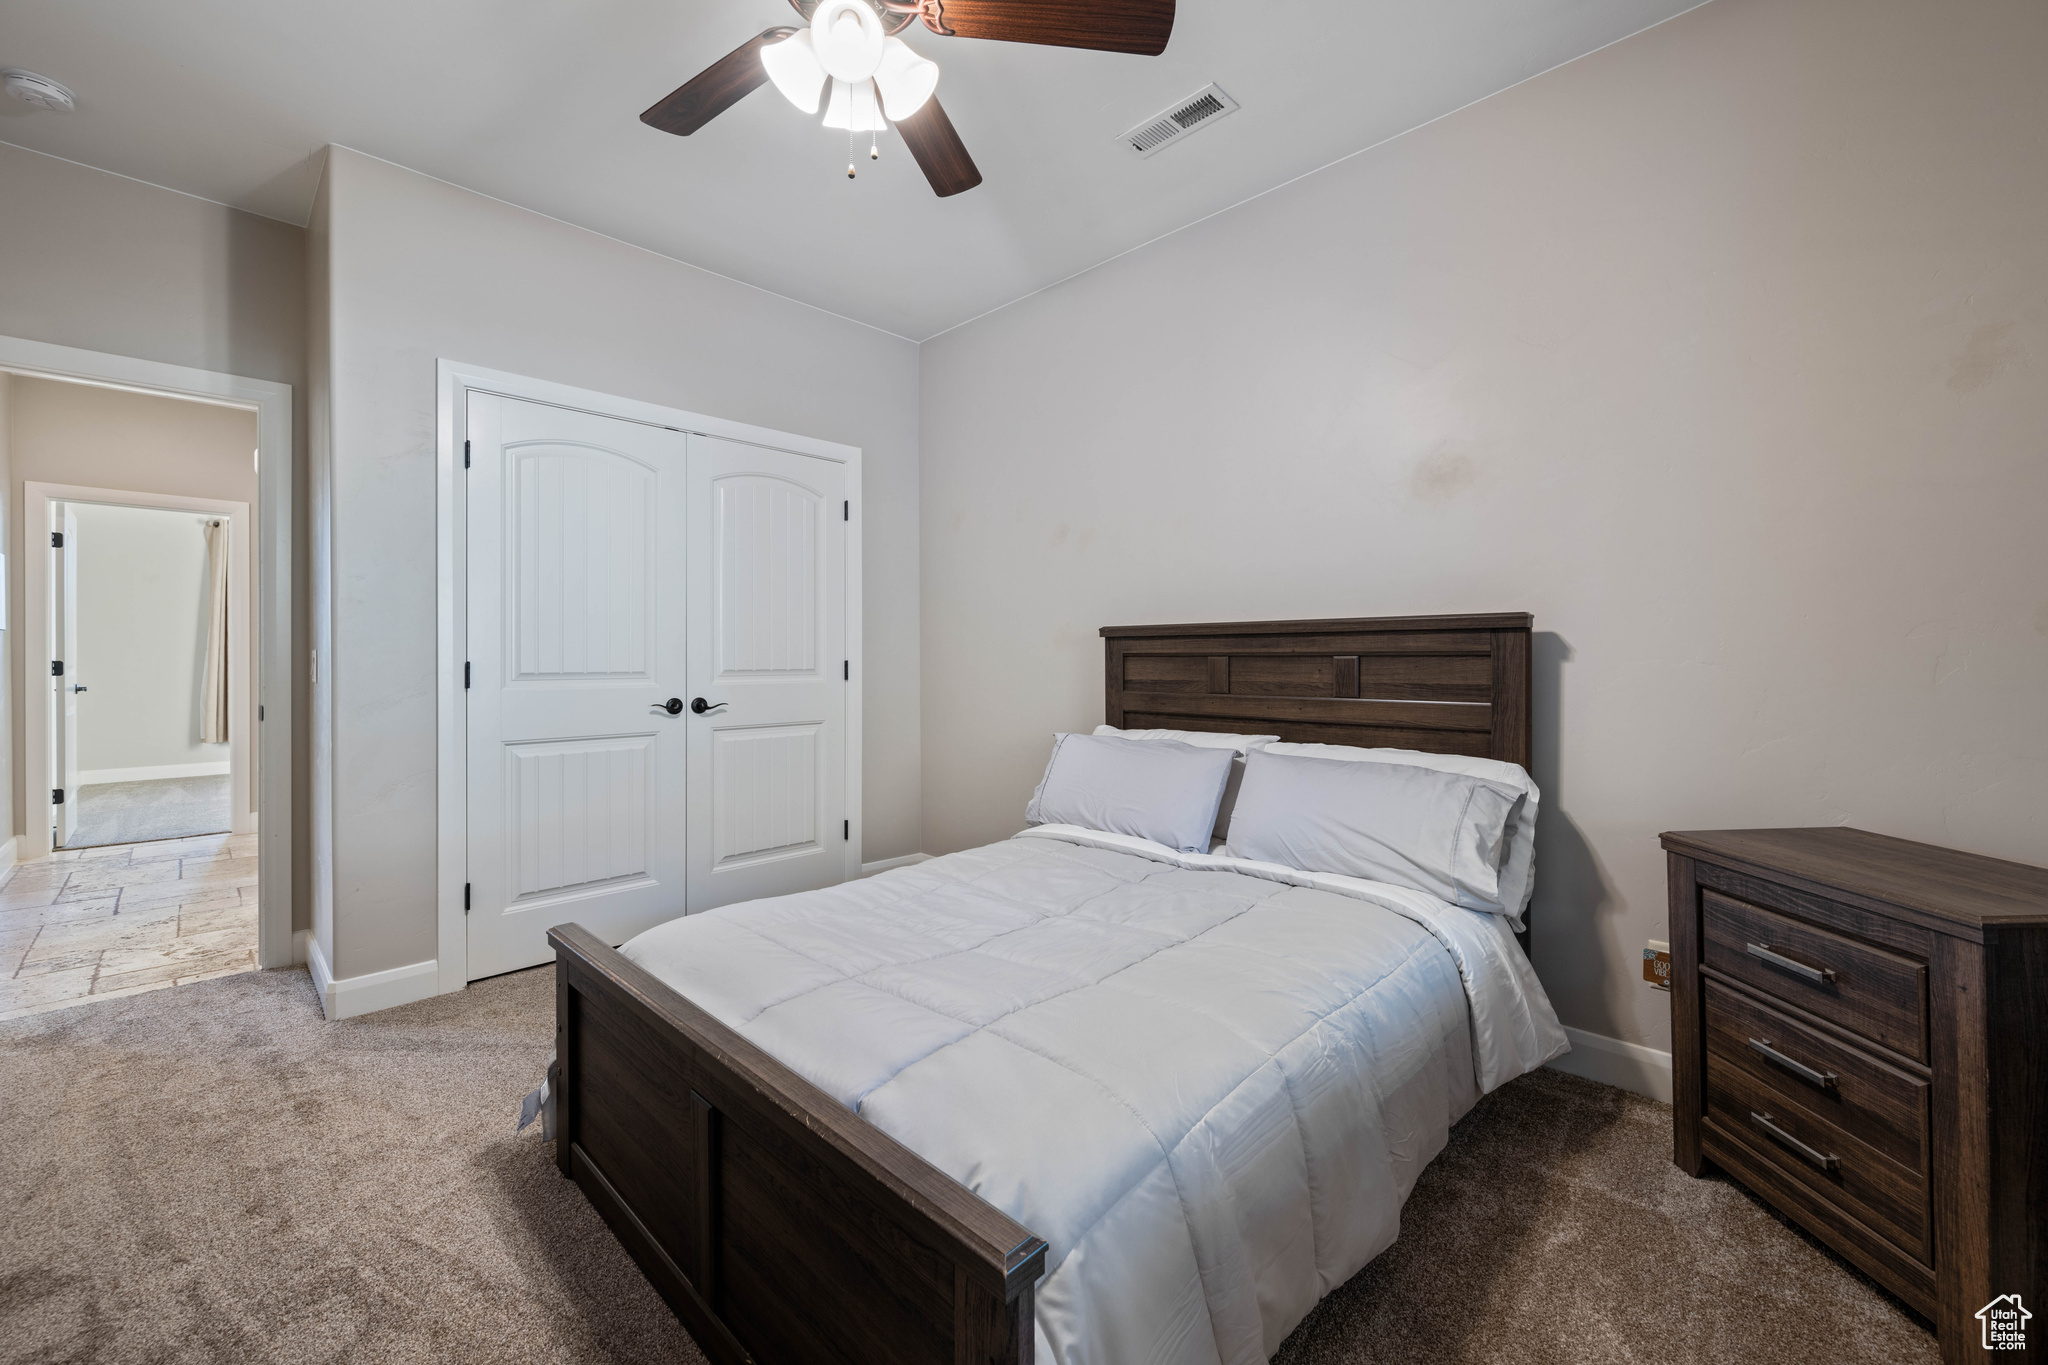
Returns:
<point x="42" y="388"/>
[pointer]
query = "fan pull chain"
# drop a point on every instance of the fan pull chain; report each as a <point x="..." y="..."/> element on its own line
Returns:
<point x="874" y="145"/>
<point x="849" y="153"/>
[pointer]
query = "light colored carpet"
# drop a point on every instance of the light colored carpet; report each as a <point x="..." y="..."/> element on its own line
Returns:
<point x="213" y="1173"/>
<point x="162" y="808"/>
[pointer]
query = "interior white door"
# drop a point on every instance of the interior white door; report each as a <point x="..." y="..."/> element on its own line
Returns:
<point x="575" y="644"/>
<point x="766" y="542"/>
<point x="64" y="680"/>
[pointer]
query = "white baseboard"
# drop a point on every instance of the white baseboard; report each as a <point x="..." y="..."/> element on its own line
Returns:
<point x="316" y="965"/>
<point x="8" y="854"/>
<point x="349" y="996"/>
<point x="907" y="860"/>
<point x="1631" y="1066"/>
<point x="94" y="777"/>
<point x="353" y="995"/>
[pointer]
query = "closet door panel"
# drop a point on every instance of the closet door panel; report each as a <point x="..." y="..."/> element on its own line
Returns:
<point x="576" y="635"/>
<point x="767" y="657"/>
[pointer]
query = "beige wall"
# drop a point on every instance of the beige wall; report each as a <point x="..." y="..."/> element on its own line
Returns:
<point x="110" y="264"/>
<point x="105" y="263"/>
<point x="419" y="271"/>
<point x="1724" y="351"/>
<point x="132" y="442"/>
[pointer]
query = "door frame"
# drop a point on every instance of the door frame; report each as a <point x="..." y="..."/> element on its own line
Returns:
<point x="274" y="594"/>
<point x="36" y="499"/>
<point x="454" y="382"/>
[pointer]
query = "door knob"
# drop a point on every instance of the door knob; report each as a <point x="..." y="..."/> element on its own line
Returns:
<point x="700" y="706"/>
<point x="78" y="687"/>
<point x="674" y="706"/>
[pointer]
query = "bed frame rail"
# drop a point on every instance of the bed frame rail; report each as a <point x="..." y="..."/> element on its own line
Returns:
<point x="781" y="1227"/>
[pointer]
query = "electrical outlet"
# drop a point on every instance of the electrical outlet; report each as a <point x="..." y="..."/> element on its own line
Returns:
<point x="1657" y="964"/>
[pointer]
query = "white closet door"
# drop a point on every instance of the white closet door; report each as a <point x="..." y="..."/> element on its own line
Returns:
<point x="64" y="689"/>
<point x="575" y="639"/>
<point x="767" y="657"/>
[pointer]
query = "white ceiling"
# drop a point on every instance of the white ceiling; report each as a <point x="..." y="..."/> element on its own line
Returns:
<point x="537" y="102"/>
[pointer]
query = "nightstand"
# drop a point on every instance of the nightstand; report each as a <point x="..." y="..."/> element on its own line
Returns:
<point x="1859" y="1031"/>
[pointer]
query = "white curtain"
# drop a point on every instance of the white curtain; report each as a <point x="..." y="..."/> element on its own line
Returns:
<point x="213" y="698"/>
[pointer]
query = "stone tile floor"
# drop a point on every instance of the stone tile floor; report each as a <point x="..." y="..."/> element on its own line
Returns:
<point x="89" y="923"/>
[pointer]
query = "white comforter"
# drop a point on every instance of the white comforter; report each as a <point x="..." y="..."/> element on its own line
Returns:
<point x="1208" y="1084"/>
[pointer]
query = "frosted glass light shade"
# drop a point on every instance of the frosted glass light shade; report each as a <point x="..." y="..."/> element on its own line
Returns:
<point x="794" y="68"/>
<point x="854" y="108"/>
<point x="906" y="79"/>
<point x="847" y="37"/>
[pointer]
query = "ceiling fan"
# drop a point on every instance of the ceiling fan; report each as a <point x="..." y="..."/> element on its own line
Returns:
<point x="849" y="57"/>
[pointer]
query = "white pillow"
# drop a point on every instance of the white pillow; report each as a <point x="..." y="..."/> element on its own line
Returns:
<point x="1153" y="789"/>
<point x="1518" y="876"/>
<point x="1208" y="739"/>
<point x="1444" y="834"/>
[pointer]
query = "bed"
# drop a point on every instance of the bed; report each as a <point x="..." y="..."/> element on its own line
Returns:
<point x="1072" y="1096"/>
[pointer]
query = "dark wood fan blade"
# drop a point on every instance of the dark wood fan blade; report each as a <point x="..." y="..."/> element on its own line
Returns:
<point x="715" y="89"/>
<point x="1137" y="26"/>
<point x="939" y="151"/>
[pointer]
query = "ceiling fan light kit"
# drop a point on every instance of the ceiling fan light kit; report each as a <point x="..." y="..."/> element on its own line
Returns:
<point x="905" y="79"/>
<point x="875" y="79"/>
<point x="854" y="108"/>
<point x="847" y="37"/>
<point x="796" y="71"/>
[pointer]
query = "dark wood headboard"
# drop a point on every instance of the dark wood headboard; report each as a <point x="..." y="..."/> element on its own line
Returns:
<point x="1441" y="684"/>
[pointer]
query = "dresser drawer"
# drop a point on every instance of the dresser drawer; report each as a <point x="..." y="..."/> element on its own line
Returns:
<point x="1868" y="990"/>
<point x="1760" y="1112"/>
<point x="1881" y="1106"/>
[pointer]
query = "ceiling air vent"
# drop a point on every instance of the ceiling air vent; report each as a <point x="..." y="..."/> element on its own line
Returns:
<point x="1197" y="111"/>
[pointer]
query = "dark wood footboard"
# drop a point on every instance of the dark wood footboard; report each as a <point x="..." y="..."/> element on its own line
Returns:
<point x="780" y="1226"/>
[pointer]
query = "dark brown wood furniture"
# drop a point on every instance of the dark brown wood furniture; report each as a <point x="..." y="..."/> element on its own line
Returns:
<point x="1441" y="684"/>
<point x="783" y="1228"/>
<point x="779" y="1225"/>
<point x="1860" y="1036"/>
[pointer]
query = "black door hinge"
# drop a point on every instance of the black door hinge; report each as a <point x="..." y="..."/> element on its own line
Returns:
<point x="846" y="830"/>
<point x="259" y="712"/>
<point x="56" y="668"/>
<point x="465" y="898"/>
<point x="465" y="454"/>
<point x="56" y="796"/>
<point x="846" y="510"/>
<point x="465" y="672"/>
<point x="56" y="540"/>
<point x="846" y="670"/>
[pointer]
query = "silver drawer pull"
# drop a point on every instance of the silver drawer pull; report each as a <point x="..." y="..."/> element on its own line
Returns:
<point x="1762" y="953"/>
<point x="1793" y="1144"/>
<point x="1824" y="1079"/>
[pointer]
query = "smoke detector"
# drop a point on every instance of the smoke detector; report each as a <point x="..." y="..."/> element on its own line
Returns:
<point x="1168" y="126"/>
<point x="40" y="91"/>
